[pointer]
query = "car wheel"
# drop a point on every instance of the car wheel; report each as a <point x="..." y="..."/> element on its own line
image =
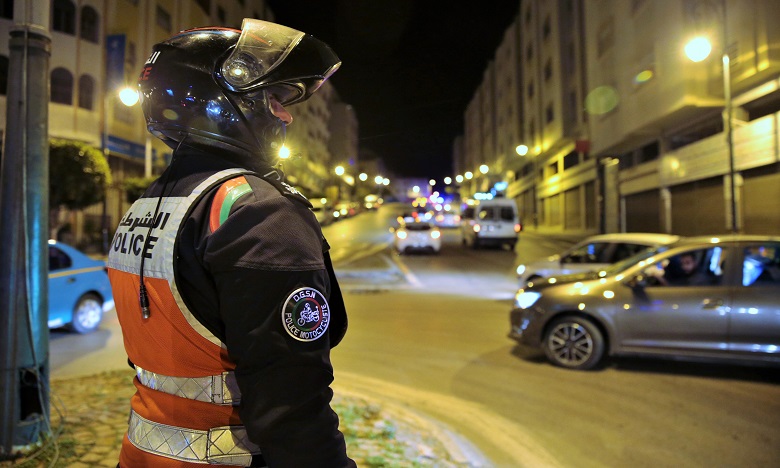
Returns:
<point x="574" y="343"/>
<point x="87" y="314"/>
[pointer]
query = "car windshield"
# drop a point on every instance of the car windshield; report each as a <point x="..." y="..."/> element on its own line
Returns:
<point x="644" y="254"/>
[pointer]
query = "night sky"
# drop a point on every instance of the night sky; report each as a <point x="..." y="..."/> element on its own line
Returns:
<point x="409" y="68"/>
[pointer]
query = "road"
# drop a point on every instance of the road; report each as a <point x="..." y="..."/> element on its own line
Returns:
<point x="428" y="332"/>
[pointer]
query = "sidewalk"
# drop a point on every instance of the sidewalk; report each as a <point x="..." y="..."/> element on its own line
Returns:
<point x="89" y="419"/>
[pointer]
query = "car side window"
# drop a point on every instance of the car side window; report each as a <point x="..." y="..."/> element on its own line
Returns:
<point x="58" y="259"/>
<point x="702" y="267"/>
<point x="624" y="250"/>
<point x="594" y="252"/>
<point x="761" y="265"/>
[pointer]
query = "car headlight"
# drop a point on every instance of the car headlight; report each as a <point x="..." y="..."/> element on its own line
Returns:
<point x="520" y="270"/>
<point x="525" y="299"/>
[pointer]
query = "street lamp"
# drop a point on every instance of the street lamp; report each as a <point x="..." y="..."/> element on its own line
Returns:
<point x="129" y="97"/>
<point x="697" y="50"/>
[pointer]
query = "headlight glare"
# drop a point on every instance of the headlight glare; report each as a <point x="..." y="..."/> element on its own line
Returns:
<point x="525" y="299"/>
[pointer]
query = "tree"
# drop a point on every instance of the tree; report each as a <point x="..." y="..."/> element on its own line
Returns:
<point x="78" y="177"/>
<point x="136" y="186"/>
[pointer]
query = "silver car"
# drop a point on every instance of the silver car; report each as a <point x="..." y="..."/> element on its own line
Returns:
<point x="712" y="298"/>
<point x="593" y="253"/>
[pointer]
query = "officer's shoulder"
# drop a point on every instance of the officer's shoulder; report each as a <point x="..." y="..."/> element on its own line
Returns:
<point x="281" y="187"/>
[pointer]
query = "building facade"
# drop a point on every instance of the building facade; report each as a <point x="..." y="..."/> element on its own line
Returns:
<point x="621" y="131"/>
<point x="99" y="48"/>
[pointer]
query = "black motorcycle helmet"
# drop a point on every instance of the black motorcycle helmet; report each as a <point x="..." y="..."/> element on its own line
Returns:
<point x="209" y="87"/>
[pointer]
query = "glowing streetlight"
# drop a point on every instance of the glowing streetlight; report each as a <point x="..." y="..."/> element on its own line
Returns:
<point x="459" y="178"/>
<point x="432" y="182"/>
<point x="522" y="150"/>
<point x="483" y="169"/>
<point x="339" y="170"/>
<point x="363" y="176"/>
<point x="448" y="180"/>
<point x="284" y="152"/>
<point x="468" y="175"/>
<point x="698" y="49"/>
<point x="128" y="96"/>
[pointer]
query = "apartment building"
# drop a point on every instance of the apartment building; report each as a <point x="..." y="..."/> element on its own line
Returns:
<point x="621" y="131"/>
<point x="98" y="48"/>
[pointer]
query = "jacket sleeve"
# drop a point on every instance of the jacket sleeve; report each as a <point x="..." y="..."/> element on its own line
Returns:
<point x="273" y="288"/>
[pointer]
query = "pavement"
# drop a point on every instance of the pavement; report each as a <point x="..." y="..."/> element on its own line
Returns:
<point x="89" y="420"/>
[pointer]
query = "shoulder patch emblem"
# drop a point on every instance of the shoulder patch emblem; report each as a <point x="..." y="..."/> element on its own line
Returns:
<point x="305" y="314"/>
<point x="226" y="196"/>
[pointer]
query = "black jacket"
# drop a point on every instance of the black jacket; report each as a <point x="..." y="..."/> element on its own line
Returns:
<point x="236" y="281"/>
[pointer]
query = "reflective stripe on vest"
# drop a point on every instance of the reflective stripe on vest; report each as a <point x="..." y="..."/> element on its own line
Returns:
<point x="217" y="389"/>
<point x="228" y="445"/>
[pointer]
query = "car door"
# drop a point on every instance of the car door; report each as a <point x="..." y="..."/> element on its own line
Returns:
<point x="62" y="293"/>
<point x="690" y="319"/>
<point x="754" y="326"/>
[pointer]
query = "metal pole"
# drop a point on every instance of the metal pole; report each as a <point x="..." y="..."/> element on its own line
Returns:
<point x="24" y="200"/>
<point x="148" y="156"/>
<point x="728" y="128"/>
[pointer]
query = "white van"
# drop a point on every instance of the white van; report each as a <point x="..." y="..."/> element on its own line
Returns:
<point x="490" y="222"/>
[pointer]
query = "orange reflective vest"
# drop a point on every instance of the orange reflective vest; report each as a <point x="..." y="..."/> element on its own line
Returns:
<point x="184" y="412"/>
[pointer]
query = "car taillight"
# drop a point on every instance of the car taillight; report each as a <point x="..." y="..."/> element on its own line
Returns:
<point x="457" y="218"/>
<point x="518" y="227"/>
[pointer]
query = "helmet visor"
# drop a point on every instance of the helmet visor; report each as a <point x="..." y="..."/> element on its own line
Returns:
<point x="272" y="55"/>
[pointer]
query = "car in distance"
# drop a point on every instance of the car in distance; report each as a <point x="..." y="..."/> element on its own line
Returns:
<point x="322" y="210"/>
<point x="79" y="289"/>
<point x="593" y="253"/>
<point x="492" y="221"/>
<point x="726" y="308"/>
<point x="414" y="235"/>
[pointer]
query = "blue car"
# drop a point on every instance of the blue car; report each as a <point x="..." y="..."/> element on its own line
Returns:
<point x="79" y="290"/>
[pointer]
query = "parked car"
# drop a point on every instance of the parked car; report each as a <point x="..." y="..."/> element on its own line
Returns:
<point x="726" y="309"/>
<point x="79" y="290"/>
<point x="416" y="235"/>
<point x="490" y="222"/>
<point x="593" y="253"/>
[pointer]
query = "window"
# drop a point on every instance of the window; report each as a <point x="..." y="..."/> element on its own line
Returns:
<point x="61" y="86"/>
<point x="702" y="267"/>
<point x="529" y="52"/>
<point x="63" y="17"/>
<point x="761" y="266"/>
<point x="549" y="114"/>
<point x="7" y="9"/>
<point x="606" y="36"/>
<point x="163" y="19"/>
<point x="530" y="89"/>
<point x="547" y="71"/>
<point x="205" y="5"/>
<point x="571" y="160"/>
<point x="546" y="28"/>
<point x="89" y="24"/>
<point x="3" y="75"/>
<point x="86" y="92"/>
<point x="58" y="259"/>
<point x="594" y="252"/>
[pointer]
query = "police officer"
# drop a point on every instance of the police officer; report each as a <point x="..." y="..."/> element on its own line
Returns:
<point x="223" y="283"/>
